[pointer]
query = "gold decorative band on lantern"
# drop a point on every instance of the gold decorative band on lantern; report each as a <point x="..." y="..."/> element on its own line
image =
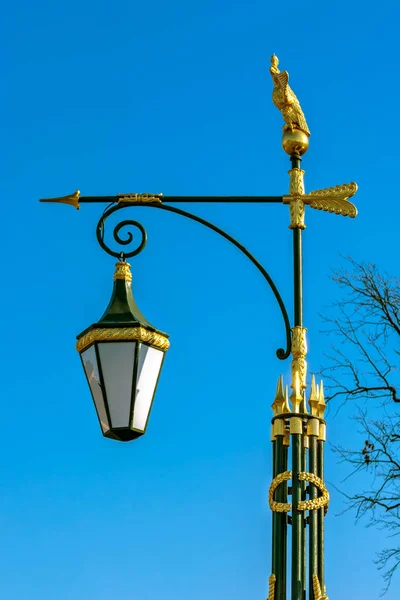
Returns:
<point x="123" y="271"/>
<point x="123" y="334"/>
<point x="315" y="504"/>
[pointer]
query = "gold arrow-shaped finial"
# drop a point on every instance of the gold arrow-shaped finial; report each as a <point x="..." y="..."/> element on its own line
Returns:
<point x="71" y="199"/>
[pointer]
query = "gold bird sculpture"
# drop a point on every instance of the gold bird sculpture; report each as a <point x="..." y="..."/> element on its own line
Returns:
<point x="286" y="101"/>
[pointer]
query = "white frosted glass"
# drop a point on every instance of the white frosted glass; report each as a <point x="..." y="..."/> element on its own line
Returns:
<point x="92" y="373"/>
<point x="149" y="365"/>
<point x="117" y="360"/>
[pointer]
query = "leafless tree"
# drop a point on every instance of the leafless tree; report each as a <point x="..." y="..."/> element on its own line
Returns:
<point x="362" y="366"/>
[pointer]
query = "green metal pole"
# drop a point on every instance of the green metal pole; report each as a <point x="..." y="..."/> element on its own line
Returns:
<point x="321" y="519"/>
<point x="274" y="514"/>
<point x="313" y="516"/>
<point x="303" y="495"/>
<point x="280" y="524"/>
<point x="284" y="520"/>
<point x="298" y="521"/>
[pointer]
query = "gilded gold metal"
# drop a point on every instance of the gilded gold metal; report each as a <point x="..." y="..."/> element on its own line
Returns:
<point x="128" y="334"/>
<point x="321" y="413"/>
<point x="140" y="198"/>
<point x="314" y="397"/>
<point x="278" y="427"/>
<point x="123" y="271"/>
<point x="296" y="425"/>
<point x="286" y="405"/>
<point x="321" y="401"/>
<point x="315" y="504"/>
<point x="313" y="427"/>
<point x="295" y="142"/>
<point x="297" y="214"/>
<point x="271" y="591"/>
<point x="334" y="199"/>
<point x="71" y="199"/>
<point x="296" y="182"/>
<point x="296" y="192"/>
<point x="286" y="438"/>
<point x="286" y="101"/>
<point x="303" y="406"/>
<point x="322" y="432"/>
<point x="318" y="595"/>
<point x="299" y="352"/>
<point x="279" y="506"/>
<point x="279" y="400"/>
<point x="296" y="396"/>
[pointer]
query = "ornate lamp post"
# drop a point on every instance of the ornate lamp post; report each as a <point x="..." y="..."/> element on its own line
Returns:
<point x="122" y="355"/>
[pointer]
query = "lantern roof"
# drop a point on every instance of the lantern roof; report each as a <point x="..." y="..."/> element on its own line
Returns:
<point x="122" y="319"/>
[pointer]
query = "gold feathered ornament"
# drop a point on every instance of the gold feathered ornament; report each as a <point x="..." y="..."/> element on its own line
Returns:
<point x="286" y="101"/>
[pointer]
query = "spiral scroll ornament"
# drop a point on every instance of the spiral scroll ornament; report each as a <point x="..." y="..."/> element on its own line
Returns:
<point x="122" y="241"/>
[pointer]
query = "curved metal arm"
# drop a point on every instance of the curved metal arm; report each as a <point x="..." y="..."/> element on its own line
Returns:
<point x="281" y="353"/>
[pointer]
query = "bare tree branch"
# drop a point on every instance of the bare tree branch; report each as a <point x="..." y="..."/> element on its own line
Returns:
<point x="361" y="365"/>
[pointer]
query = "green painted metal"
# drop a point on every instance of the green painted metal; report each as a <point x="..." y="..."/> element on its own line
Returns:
<point x="122" y="311"/>
<point x="281" y="353"/>
<point x="297" y="521"/>
<point x="303" y="496"/>
<point x="280" y="531"/>
<point x="297" y="263"/>
<point x="186" y="199"/>
<point x="298" y="277"/>
<point x="321" y="518"/>
<point x="313" y="516"/>
<point x="284" y="522"/>
<point x="274" y="514"/>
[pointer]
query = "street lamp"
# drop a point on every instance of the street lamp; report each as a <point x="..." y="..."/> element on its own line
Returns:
<point x="122" y="355"/>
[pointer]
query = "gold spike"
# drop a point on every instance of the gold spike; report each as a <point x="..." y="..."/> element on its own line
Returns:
<point x="279" y="400"/>
<point x="296" y="396"/>
<point x="303" y="407"/>
<point x="321" y="401"/>
<point x="71" y="199"/>
<point x="313" y="401"/>
<point x="286" y="405"/>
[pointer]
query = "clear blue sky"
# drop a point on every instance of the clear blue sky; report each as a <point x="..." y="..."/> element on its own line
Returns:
<point x="175" y="97"/>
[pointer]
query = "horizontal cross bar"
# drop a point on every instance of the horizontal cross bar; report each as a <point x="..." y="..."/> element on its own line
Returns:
<point x="167" y="199"/>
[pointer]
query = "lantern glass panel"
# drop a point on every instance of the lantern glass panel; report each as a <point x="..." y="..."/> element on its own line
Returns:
<point x="149" y="366"/>
<point x="89" y="362"/>
<point x="117" y="361"/>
